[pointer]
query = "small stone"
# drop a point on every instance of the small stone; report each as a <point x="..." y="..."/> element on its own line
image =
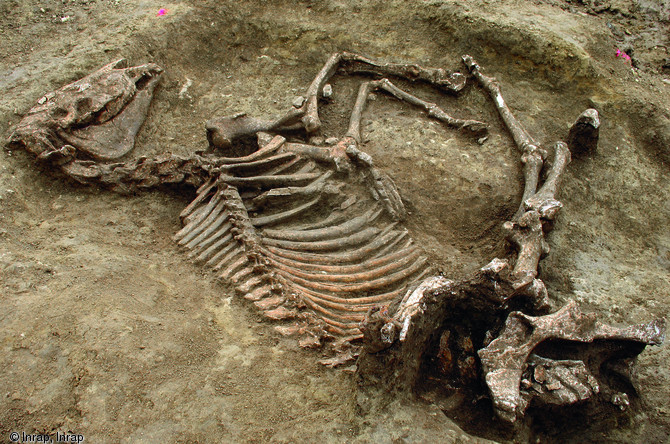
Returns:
<point x="298" y="101"/>
<point x="327" y="91"/>
<point x="621" y="400"/>
<point x="318" y="141"/>
<point x="332" y="140"/>
<point x="145" y="231"/>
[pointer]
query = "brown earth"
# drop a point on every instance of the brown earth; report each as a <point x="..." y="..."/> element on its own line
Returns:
<point x="108" y="331"/>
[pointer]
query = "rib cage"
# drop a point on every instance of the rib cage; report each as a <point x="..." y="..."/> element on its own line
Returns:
<point x="302" y="234"/>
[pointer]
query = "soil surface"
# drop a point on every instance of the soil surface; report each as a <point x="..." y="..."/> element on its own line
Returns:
<point x="108" y="331"/>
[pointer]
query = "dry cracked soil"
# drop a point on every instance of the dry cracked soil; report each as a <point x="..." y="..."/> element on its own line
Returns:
<point x="108" y="331"/>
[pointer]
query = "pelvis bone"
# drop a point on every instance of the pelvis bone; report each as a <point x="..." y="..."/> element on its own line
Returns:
<point x="312" y="234"/>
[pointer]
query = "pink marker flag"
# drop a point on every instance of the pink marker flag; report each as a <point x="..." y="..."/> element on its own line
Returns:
<point x="161" y="11"/>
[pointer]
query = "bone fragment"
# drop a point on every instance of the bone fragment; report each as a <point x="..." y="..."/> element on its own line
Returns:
<point x="556" y="382"/>
<point x="281" y="193"/>
<point x="251" y="283"/>
<point x="259" y="293"/>
<point x="268" y="303"/>
<point x="280" y="313"/>
<point x="339" y="360"/>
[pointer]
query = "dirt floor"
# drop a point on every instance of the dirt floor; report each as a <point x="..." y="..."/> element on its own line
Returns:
<point x="108" y="331"/>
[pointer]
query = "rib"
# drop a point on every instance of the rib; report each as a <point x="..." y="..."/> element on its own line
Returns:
<point x="257" y="165"/>
<point x="360" y="287"/>
<point x="228" y="272"/>
<point x="282" y="168"/>
<point x="364" y="276"/>
<point x="206" y="234"/>
<point x="212" y="243"/>
<point x="271" y="181"/>
<point x="333" y="218"/>
<point x="393" y="246"/>
<point x="203" y="224"/>
<point x="284" y="215"/>
<point x="336" y="316"/>
<point x="327" y="245"/>
<point x="228" y="254"/>
<point x="205" y="212"/>
<point x="306" y="168"/>
<point x="202" y="193"/>
<point x="363" y="303"/>
<point x="212" y="249"/>
<point x="344" y="269"/>
<point x="308" y="190"/>
<point x="342" y="325"/>
<point x="325" y="233"/>
<point x="266" y="150"/>
<point x="342" y="258"/>
<point x="373" y="300"/>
